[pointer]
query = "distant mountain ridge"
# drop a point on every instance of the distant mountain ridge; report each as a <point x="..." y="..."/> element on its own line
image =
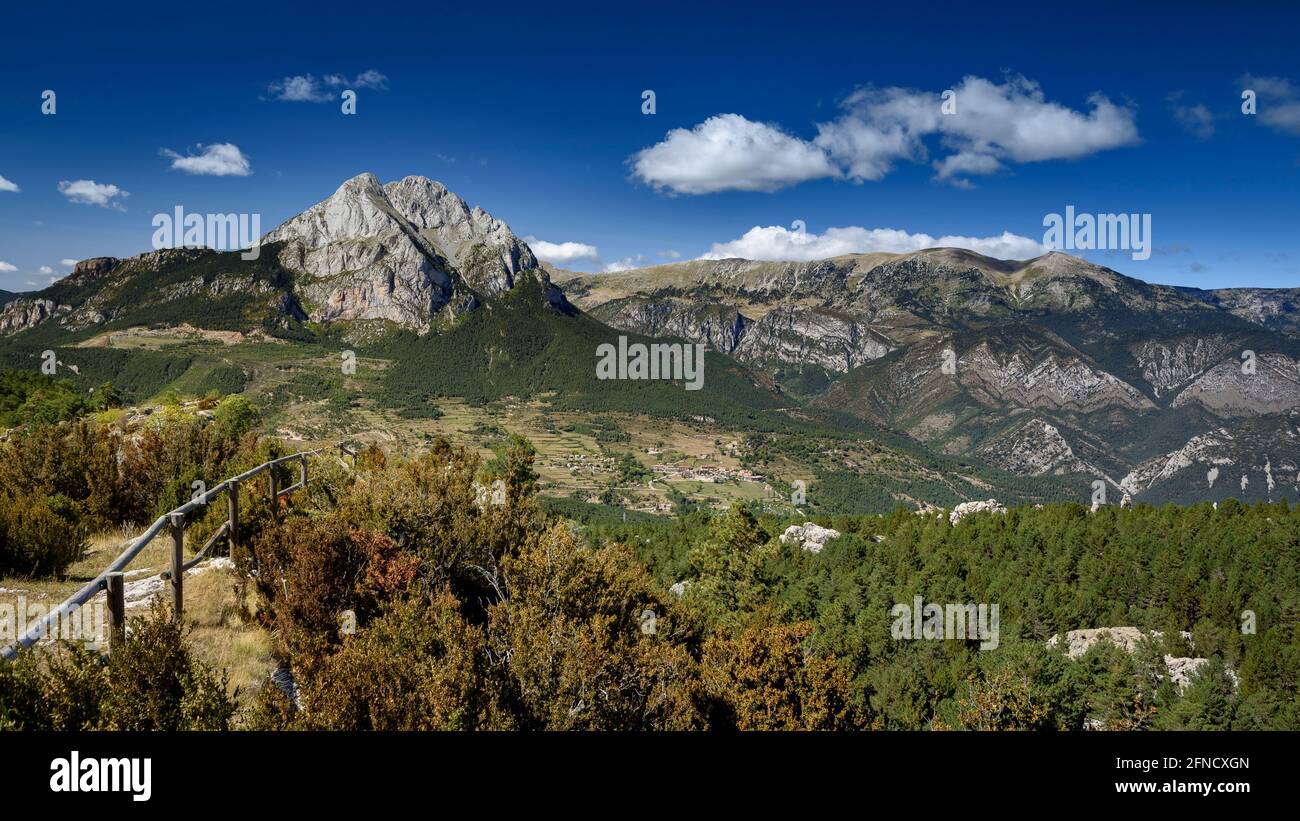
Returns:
<point x="1056" y="365"/>
<point x="1052" y="366"/>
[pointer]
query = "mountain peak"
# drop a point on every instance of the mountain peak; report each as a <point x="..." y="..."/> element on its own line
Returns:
<point x="405" y="251"/>
<point x="363" y="183"/>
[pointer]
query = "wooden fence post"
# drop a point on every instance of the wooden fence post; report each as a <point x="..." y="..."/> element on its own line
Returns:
<point x="115" y="584"/>
<point x="178" y="564"/>
<point x="274" y="495"/>
<point x="302" y="472"/>
<point x="232" y="538"/>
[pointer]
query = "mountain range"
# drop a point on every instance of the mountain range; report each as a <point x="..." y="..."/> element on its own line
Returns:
<point x="1055" y="370"/>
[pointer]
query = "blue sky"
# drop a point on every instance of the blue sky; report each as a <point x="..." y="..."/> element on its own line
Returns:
<point x="764" y="115"/>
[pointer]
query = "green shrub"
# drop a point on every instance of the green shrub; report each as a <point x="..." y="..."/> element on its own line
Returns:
<point x="35" y="540"/>
<point x="151" y="682"/>
<point x="155" y="684"/>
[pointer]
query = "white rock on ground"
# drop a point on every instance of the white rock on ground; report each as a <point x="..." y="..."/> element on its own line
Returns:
<point x="966" y="508"/>
<point x="809" y="536"/>
<point x="1181" y="668"/>
<point x="138" y="594"/>
<point x="1078" y="642"/>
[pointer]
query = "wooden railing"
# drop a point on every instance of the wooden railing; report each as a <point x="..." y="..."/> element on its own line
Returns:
<point x="112" y="579"/>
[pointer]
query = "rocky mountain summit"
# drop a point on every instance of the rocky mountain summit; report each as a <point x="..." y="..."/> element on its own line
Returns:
<point x="410" y="252"/>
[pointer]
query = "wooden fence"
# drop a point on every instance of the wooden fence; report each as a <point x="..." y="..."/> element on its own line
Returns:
<point x="173" y="522"/>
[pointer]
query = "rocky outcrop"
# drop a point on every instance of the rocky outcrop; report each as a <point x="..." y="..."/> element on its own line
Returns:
<point x="809" y="536"/>
<point x="787" y="334"/>
<point x="1052" y="382"/>
<point x="1270" y="384"/>
<point x="89" y="270"/>
<point x="1079" y="642"/>
<point x="1168" y="364"/>
<point x="1212" y="450"/>
<point x="480" y="246"/>
<point x="1277" y="309"/>
<point x="717" y="326"/>
<point x="965" y="509"/>
<point x="358" y="259"/>
<point x="810" y="336"/>
<point x="22" y="313"/>
<point x="1180" y="670"/>
<point x="1034" y="449"/>
<point x="410" y="252"/>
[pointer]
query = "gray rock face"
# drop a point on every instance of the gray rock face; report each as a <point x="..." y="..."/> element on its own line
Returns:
<point x="809" y="536"/>
<point x="1213" y="450"/>
<point x="1050" y="383"/>
<point x="1228" y="389"/>
<point x="720" y="327"/>
<point x="1274" y="308"/>
<point x="358" y="259"/>
<point x="91" y="269"/>
<point x="1034" y="449"/>
<point x="965" y="509"/>
<point x="1180" y="670"/>
<point x="784" y="334"/>
<point x="1166" y="365"/>
<point x="1079" y="642"/>
<point x="22" y="313"/>
<point x="410" y="252"/>
<point x="810" y="336"/>
<point x="481" y="246"/>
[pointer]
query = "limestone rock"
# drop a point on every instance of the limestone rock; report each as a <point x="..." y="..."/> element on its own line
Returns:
<point x="410" y="252"/>
<point x="809" y="536"/>
<point x="26" y="312"/>
<point x="966" y="508"/>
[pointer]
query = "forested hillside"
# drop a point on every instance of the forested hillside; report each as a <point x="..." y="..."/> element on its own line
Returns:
<point x="403" y="594"/>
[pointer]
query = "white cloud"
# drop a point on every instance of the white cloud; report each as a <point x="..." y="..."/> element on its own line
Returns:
<point x="993" y="124"/>
<point x="301" y="88"/>
<point x="45" y="269"/>
<point x="7" y="268"/>
<point x="1277" y="102"/>
<point x="215" y="160"/>
<point x="306" y="88"/>
<point x="89" y="192"/>
<point x="1195" y="119"/>
<point x="730" y="153"/>
<point x="669" y="254"/>
<point x="562" y="253"/>
<point x="775" y="242"/>
<point x="624" y="264"/>
<point x="68" y="262"/>
<point x="366" y="79"/>
<point x="6" y="185"/>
